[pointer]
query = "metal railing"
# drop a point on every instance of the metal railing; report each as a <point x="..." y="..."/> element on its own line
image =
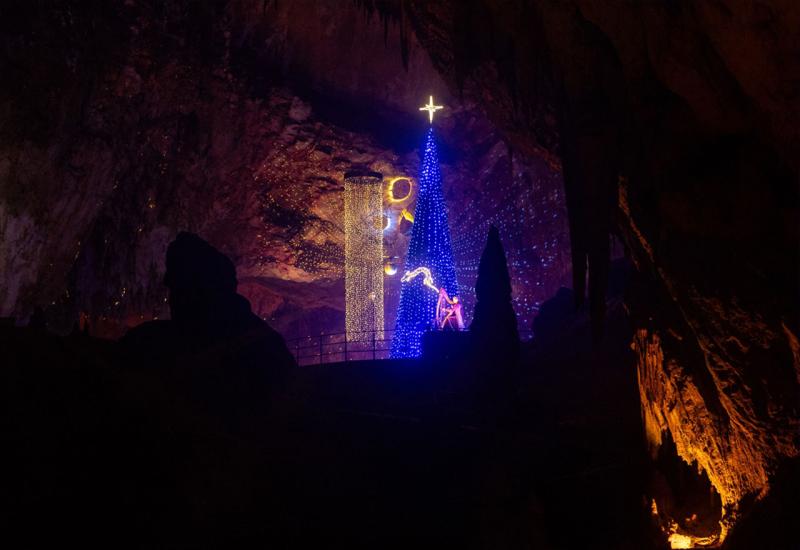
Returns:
<point x="342" y="347"/>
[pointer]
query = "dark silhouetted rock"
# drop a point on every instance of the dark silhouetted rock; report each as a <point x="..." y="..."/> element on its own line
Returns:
<point x="38" y="320"/>
<point x="495" y="322"/>
<point x="495" y="339"/>
<point x="554" y="315"/>
<point x="214" y="348"/>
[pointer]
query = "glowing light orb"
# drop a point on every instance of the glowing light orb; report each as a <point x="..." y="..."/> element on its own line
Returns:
<point x="680" y="541"/>
<point x="390" y="269"/>
<point x="363" y="255"/>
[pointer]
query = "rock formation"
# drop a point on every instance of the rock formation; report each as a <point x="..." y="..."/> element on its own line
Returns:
<point x="495" y="323"/>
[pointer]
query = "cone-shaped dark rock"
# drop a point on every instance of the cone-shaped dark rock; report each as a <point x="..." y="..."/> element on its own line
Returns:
<point x="495" y="323"/>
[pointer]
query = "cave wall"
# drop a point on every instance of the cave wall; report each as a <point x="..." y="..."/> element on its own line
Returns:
<point x="676" y="125"/>
<point x="237" y="121"/>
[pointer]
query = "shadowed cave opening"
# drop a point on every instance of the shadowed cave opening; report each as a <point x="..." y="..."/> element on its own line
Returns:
<point x="683" y="493"/>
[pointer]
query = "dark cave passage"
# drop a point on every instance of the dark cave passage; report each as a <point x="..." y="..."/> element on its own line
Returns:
<point x="683" y="493"/>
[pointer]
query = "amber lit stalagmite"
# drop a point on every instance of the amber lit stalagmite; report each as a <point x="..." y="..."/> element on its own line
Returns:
<point x="718" y="388"/>
<point x="728" y="440"/>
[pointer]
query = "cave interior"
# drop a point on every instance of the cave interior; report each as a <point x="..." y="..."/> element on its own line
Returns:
<point x="640" y="162"/>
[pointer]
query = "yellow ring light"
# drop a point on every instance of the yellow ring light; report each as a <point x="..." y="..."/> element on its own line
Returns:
<point x="390" y="189"/>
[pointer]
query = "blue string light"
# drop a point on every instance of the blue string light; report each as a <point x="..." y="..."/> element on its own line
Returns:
<point x="529" y="211"/>
<point x="429" y="247"/>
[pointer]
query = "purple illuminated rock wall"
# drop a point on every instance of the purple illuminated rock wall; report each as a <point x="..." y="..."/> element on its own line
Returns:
<point x="236" y="124"/>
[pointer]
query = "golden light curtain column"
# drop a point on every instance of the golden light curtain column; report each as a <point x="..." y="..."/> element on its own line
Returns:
<point x="363" y="255"/>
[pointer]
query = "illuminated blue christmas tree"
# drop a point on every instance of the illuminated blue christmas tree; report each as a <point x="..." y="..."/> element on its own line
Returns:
<point x="429" y="248"/>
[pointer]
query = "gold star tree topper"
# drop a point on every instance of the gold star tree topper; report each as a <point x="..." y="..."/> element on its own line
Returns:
<point x="431" y="108"/>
